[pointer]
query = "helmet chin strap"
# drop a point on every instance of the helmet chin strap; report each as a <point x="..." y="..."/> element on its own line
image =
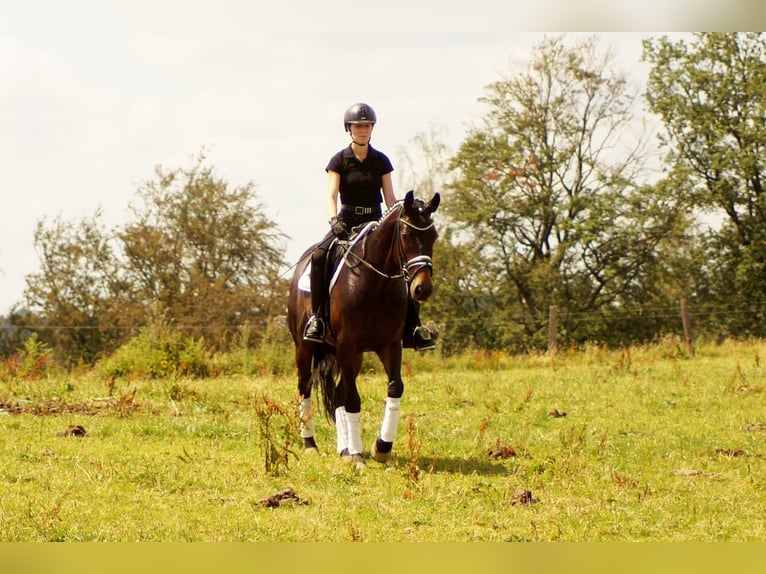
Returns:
<point x="356" y="142"/>
<point x="348" y="129"/>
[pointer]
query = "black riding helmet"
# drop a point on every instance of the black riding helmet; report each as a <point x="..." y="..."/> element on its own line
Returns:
<point x="359" y="114"/>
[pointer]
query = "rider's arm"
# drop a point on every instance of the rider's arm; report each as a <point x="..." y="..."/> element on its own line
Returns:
<point x="388" y="190"/>
<point x="333" y="189"/>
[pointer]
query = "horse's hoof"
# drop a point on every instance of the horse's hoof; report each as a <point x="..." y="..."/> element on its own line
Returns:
<point x="378" y="455"/>
<point x="311" y="450"/>
<point x="356" y="460"/>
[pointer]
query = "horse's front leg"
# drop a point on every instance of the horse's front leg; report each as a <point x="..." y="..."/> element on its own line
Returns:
<point x="391" y="358"/>
<point x="348" y="412"/>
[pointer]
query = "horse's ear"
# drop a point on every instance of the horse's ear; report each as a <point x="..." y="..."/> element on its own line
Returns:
<point x="434" y="203"/>
<point x="409" y="199"/>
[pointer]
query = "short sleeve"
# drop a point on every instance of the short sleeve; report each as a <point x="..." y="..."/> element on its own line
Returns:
<point x="385" y="164"/>
<point x="336" y="163"/>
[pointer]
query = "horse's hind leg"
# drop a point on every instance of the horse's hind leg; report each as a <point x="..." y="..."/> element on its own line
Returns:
<point x="384" y="443"/>
<point x="306" y="408"/>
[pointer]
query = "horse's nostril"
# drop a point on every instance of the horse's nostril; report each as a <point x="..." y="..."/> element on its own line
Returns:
<point x="420" y="291"/>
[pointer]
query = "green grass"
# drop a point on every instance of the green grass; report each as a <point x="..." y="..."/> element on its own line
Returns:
<point x="655" y="446"/>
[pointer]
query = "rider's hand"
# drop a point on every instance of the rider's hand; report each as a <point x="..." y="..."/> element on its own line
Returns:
<point x="338" y="227"/>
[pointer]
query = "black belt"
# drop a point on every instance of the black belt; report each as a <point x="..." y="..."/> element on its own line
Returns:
<point x="360" y="210"/>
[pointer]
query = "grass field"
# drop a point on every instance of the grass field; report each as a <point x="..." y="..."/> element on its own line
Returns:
<point x="645" y="444"/>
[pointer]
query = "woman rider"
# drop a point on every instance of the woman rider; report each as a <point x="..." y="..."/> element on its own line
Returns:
<point x="358" y="174"/>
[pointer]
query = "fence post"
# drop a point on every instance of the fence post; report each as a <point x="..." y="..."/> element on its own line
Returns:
<point x="553" y="312"/>
<point x="687" y="327"/>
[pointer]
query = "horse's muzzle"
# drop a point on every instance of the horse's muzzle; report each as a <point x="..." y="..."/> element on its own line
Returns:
<point x="419" y="270"/>
<point x="420" y="285"/>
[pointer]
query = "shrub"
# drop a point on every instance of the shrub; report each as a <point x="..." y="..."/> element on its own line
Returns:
<point x="277" y="351"/>
<point x="34" y="361"/>
<point x="157" y="353"/>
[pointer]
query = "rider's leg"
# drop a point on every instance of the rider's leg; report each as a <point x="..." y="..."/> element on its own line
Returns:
<point x="315" y="327"/>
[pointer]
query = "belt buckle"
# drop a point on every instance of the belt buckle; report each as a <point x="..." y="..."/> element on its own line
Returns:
<point x="359" y="210"/>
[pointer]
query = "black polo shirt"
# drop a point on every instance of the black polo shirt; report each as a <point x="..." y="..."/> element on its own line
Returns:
<point x="360" y="181"/>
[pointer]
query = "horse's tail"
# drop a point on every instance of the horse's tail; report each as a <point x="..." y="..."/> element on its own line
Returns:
<point x="324" y="375"/>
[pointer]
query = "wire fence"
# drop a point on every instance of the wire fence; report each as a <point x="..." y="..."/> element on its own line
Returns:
<point x="682" y="318"/>
<point x="623" y="326"/>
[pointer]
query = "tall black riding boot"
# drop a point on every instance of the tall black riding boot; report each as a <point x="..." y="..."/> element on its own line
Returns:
<point x="315" y="329"/>
<point x="416" y="336"/>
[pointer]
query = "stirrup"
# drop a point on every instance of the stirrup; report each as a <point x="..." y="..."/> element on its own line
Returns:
<point x="315" y="330"/>
<point x="422" y="339"/>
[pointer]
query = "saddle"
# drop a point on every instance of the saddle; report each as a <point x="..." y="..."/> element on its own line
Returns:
<point x="332" y="263"/>
<point x="335" y="259"/>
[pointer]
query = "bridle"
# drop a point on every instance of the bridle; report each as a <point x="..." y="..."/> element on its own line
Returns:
<point x="419" y="262"/>
<point x="409" y="269"/>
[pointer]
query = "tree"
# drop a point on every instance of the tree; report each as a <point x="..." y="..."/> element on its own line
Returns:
<point x="547" y="192"/>
<point x="204" y="252"/>
<point x="710" y="93"/>
<point x="74" y="297"/>
<point x="198" y="253"/>
<point x="458" y="295"/>
<point x="463" y="296"/>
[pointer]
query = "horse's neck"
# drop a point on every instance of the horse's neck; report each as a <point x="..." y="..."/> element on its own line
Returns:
<point x="381" y="250"/>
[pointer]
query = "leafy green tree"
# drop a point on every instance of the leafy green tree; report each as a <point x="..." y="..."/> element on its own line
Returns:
<point x="459" y="299"/>
<point x="547" y="192"/>
<point x="463" y="297"/>
<point x="710" y="92"/>
<point x="204" y="252"/>
<point x="201" y="254"/>
<point x="74" y="297"/>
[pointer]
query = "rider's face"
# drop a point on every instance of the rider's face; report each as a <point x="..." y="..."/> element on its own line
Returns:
<point x="361" y="133"/>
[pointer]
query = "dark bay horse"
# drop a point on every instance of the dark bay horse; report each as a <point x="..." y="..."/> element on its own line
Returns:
<point x="387" y="262"/>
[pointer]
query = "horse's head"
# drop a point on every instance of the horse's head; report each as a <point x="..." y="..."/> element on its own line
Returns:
<point x="417" y="234"/>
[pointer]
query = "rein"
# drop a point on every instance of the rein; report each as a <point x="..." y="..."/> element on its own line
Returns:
<point x="417" y="263"/>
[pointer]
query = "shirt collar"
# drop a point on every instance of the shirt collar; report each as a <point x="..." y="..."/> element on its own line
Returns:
<point x="348" y="152"/>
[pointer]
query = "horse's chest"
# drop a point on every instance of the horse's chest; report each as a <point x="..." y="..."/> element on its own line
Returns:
<point x="382" y="300"/>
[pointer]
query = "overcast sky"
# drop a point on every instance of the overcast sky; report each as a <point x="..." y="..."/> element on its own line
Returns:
<point x="95" y="94"/>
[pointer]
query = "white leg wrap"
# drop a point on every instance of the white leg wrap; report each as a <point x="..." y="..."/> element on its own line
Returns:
<point x="390" y="420"/>
<point x="341" y="428"/>
<point x="354" y="433"/>
<point x="306" y="412"/>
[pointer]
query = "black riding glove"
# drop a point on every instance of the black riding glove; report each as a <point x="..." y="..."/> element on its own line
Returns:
<point x="338" y="228"/>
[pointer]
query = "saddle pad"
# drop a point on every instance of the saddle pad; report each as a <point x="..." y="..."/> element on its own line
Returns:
<point x="304" y="281"/>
